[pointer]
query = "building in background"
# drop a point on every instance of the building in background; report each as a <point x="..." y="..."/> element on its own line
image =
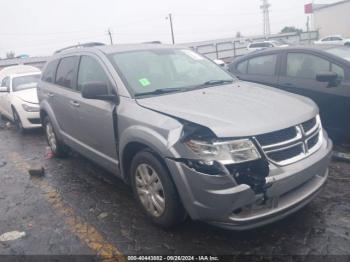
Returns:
<point x="332" y="19"/>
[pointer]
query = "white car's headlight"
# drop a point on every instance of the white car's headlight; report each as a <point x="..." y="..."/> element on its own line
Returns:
<point x="226" y="152"/>
<point x="30" y="108"/>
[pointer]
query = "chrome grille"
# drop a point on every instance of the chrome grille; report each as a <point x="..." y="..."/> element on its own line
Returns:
<point x="292" y="144"/>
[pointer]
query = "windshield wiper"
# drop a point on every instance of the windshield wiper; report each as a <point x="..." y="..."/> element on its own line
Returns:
<point x="160" y="91"/>
<point x="217" y="82"/>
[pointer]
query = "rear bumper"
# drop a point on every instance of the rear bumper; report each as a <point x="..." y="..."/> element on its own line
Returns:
<point x="220" y="201"/>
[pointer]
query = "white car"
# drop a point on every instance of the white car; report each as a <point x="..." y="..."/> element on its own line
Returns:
<point x="255" y="46"/>
<point x="18" y="96"/>
<point x="333" y="40"/>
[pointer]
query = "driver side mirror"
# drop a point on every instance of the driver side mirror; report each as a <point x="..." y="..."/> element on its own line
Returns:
<point x="97" y="90"/>
<point x="328" y="77"/>
<point x="4" y="89"/>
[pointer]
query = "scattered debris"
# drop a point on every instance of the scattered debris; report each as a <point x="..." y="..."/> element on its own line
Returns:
<point x="102" y="215"/>
<point x="49" y="154"/>
<point x="36" y="170"/>
<point x="341" y="156"/>
<point x="13" y="235"/>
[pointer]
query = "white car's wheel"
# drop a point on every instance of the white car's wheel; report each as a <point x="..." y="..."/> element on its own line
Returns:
<point x="17" y="121"/>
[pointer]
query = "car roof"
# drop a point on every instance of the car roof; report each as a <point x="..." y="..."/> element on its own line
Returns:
<point x="301" y="47"/>
<point x="25" y="74"/>
<point x="120" y="48"/>
<point x="332" y="36"/>
<point x="311" y="48"/>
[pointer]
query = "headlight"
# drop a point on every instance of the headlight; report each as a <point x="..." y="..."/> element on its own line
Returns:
<point x="227" y="152"/>
<point x="30" y="108"/>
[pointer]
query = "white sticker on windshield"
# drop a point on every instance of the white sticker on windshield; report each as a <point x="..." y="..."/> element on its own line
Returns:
<point x="192" y="54"/>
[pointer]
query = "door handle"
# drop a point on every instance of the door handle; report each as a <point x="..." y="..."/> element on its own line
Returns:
<point x="74" y="103"/>
<point x="50" y="94"/>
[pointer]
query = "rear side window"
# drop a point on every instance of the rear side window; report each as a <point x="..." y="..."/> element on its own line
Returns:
<point x="66" y="75"/>
<point x="90" y="71"/>
<point x="50" y="71"/>
<point x="263" y="65"/>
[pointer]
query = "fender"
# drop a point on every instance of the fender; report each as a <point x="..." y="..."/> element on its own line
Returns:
<point x="149" y="138"/>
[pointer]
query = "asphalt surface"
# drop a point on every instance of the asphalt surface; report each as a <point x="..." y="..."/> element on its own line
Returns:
<point x="78" y="208"/>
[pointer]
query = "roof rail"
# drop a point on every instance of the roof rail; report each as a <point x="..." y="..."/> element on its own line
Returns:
<point x="90" y="44"/>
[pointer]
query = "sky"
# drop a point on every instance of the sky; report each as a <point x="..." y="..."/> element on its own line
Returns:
<point x="39" y="27"/>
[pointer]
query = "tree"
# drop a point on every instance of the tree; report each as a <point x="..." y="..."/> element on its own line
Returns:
<point x="291" y="29"/>
<point x="10" y="55"/>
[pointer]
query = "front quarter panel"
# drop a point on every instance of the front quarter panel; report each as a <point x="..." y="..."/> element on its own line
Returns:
<point x="152" y="129"/>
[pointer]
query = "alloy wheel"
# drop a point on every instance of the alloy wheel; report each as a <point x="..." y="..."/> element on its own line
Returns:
<point x="51" y="137"/>
<point x="150" y="190"/>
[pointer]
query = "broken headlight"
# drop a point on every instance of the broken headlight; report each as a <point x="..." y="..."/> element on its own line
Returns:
<point x="225" y="152"/>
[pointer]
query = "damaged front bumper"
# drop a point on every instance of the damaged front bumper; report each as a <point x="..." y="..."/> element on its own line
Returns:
<point x="219" y="200"/>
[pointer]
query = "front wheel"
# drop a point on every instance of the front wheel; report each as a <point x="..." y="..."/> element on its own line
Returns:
<point x="57" y="147"/>
<point x="17" y="121"/>
<point x="155" y="191"/>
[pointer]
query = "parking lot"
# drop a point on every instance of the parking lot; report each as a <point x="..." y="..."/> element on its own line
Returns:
<point x="79" y="209"/>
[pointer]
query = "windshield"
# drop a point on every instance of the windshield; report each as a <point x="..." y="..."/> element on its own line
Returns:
<point x="25" y="82"/>
<point x="167" y="70"/>
<point x="342" y="52"/>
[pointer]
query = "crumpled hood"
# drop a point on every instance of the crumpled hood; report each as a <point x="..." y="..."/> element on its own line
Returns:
<point x="28" y="95"/>
<point x="237" y="110"/>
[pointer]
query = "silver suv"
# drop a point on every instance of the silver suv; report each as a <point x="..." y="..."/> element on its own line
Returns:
<point x="187" y="136"/>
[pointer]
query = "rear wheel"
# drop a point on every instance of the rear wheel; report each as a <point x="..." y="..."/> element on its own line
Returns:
<point x="347" y="44"/>
<point x="155" y="191"/>
<point x="57" y="147"/>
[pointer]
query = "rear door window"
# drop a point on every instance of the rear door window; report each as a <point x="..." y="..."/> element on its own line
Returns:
<point x="67" y="72"/>
<point x="263" y="65"/>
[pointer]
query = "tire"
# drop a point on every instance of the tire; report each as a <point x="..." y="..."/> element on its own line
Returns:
<point x="165" y="214"/>
<point x="17" y="121"/>
<point x="347" y="44"/>
<point x="57" y="147"/>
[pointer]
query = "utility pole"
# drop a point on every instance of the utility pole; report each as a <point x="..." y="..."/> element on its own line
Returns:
<point x="110" y="35"/>
<point x="171" y="27"/>
<point x="266" y="16"/>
